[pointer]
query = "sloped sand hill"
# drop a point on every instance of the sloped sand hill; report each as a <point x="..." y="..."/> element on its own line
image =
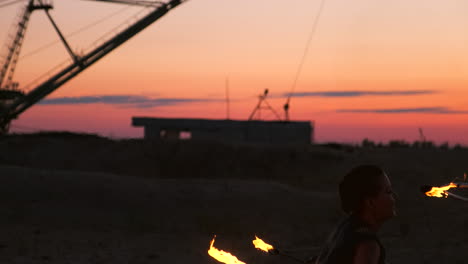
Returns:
<point x="76" y="200"/>
<point x="71" y="217"/>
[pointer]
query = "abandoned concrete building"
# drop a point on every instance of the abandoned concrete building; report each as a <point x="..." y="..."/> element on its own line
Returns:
<point x="232" y="131"/>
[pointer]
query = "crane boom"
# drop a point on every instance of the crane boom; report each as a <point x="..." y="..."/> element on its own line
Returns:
<point x="19" y="105"/>
<point x="134" y="2"/>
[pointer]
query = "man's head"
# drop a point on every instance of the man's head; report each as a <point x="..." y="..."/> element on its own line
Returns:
<point x="367" y="188"/>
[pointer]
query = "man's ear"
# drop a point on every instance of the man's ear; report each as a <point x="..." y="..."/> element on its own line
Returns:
<point x="369" y="203"/>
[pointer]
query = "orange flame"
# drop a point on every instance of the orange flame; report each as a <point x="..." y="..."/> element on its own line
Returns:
<point x="258" y="243"/>
<point x="440" y="191"/>
<point x="222" y="256"/>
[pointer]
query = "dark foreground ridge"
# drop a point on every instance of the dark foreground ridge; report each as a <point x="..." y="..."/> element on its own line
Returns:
<point x="79" y="198"/>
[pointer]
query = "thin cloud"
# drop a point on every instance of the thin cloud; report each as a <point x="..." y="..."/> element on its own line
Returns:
<point x="123" y="100"/>
<point x="360" y="93"/>
<point x="417" y="110"/>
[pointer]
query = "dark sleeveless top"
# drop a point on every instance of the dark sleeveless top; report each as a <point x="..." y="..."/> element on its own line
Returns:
<point x="341" y="244"/>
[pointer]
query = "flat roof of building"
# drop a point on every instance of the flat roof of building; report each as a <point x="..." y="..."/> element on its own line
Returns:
<point x="195" y="122"/>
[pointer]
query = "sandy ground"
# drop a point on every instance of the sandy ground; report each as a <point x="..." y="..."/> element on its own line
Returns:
<point x="68" y="215"/>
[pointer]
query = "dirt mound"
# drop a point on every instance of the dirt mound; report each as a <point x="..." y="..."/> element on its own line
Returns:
<point x="73" y="207"/>
<point x="84" y="199"/>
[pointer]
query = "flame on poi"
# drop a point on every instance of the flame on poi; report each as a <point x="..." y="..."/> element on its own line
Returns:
<point x="440" y="191"/>
<point x="222" y="256"/>
<point x="260" y="244"/>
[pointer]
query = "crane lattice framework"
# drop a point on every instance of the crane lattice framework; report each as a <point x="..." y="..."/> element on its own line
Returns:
<point x="12" y="49"/>
<point x="13" y="101"/>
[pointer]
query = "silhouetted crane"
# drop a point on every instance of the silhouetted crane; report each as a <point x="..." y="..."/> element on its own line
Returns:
<point x="13" y="101"/>
<point x="8" y="88"/>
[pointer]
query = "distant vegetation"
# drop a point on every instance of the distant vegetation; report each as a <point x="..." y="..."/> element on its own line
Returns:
<point x="366" y="143"/>
<point x="56" y="134"/>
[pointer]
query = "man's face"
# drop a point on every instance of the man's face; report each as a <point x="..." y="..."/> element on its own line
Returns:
<point x="384" y="201"/>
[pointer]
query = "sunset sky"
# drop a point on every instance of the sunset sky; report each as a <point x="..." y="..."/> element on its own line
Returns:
<point x="374" y="69"/>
